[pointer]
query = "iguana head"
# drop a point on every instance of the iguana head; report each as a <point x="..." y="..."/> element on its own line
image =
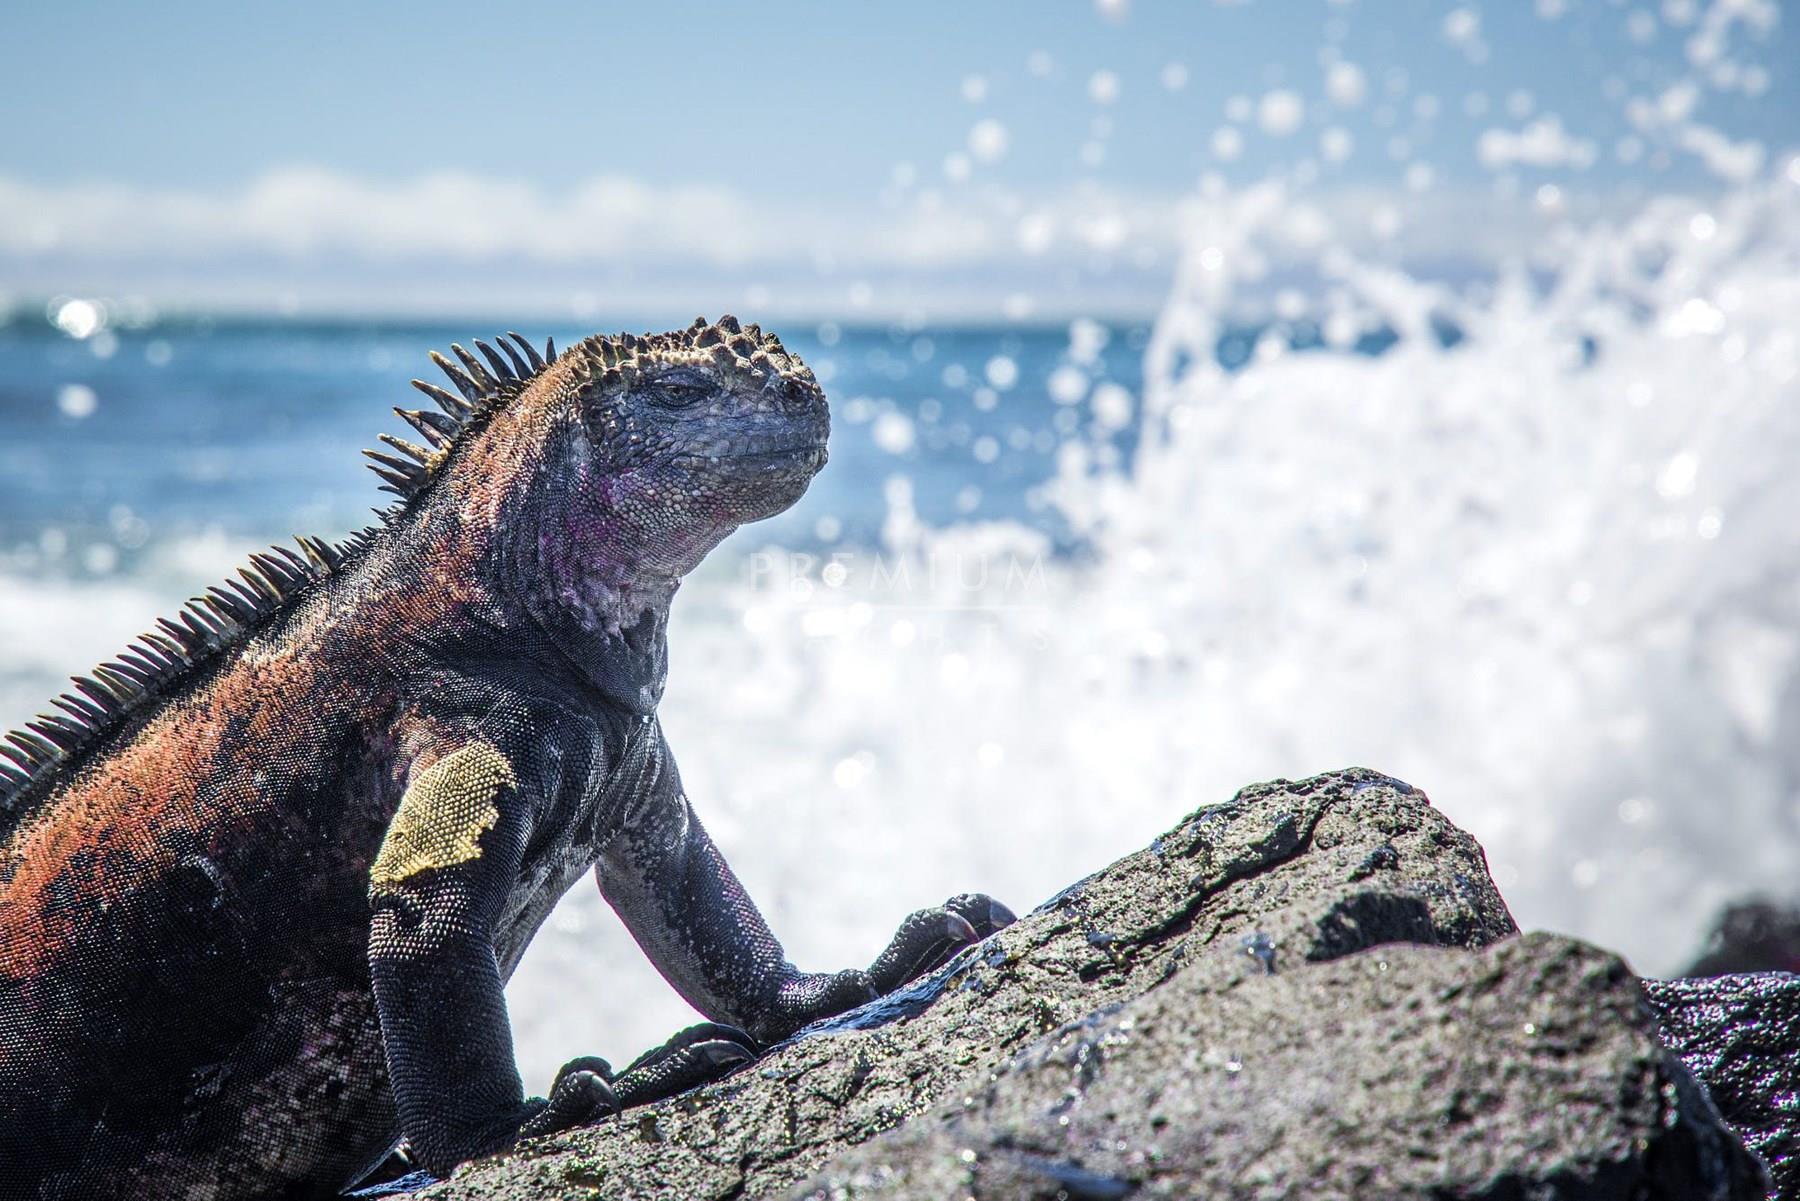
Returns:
<point x="615" y="467"/>
<point x="697" y="432"/>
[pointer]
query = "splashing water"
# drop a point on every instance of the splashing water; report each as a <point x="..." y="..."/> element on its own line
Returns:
<point x="1550" y="574"/>
<point x="1538" y="558"/>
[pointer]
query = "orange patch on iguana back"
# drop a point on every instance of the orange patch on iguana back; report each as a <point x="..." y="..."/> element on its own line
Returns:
<point x="197" y="774"/>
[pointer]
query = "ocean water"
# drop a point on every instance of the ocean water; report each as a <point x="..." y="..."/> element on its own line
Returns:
<point x="1531" y="545"/>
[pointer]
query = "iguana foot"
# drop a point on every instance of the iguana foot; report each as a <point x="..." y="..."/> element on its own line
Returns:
<point x="586" y="1089"/>
<point x="924" y="943"/>
<point x="698" y="1055"/>
<point x="582" y="1092"/>
<point x="927" y="939"/>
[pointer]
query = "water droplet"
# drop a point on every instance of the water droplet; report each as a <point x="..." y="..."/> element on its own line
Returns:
<point x="77" y="400"/>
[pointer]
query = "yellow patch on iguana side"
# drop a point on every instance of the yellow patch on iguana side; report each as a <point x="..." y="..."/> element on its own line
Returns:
<point x="446" y="810"/>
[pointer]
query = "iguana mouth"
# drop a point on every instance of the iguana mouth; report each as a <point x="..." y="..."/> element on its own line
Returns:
<point x="810" y="450"/>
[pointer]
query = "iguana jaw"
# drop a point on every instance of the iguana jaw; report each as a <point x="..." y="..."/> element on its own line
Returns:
<point x="756" y="471"/>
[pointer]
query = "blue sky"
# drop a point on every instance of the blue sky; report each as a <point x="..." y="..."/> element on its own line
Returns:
<point x="252" y="156"/>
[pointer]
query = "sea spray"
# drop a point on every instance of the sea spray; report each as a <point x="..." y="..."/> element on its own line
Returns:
<point x="1548" y="573"/>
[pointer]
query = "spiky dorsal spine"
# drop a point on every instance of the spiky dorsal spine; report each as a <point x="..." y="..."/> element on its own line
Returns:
<point x="480" y="388"/>
<point x="160" y="661"/>
<point x="150" y="667"/>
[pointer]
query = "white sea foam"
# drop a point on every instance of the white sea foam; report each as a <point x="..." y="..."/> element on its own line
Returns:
<point x="1549" y="575"/>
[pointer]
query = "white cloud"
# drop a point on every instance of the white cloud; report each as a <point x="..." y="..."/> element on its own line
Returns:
<point x="1542" y="143"/>
<point x="305" y="213"/>
<point x="310" y="239"/>
<point x="318" y="240"/>
<point x="306" y="210"/>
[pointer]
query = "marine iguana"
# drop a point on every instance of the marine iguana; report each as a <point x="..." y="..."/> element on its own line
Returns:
<point x="262" y="882"/>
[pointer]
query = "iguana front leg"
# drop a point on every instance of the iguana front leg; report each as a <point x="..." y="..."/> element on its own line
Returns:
<point x="687" y="910"/>
<point x="436" y="889"/>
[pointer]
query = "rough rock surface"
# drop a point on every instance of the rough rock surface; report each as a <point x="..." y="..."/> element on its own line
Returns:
<point x="1412" y="1072"/>
<point x="1741" y="1036"/>
<point x="1207" y="1017"/>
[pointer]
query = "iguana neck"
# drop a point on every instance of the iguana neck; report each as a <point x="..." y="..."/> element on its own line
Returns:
<point x="591" y="599"/>
<point x="625" y="655"/>
<point x="452" y="589"/>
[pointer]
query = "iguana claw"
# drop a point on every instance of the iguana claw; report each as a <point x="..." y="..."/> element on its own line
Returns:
<point x="581" y="1093"/>
<point x="698" y="1055"/>
<point x="927" y="939"/>
<point x="958" y="929"/>
<point x="981" y="911"/>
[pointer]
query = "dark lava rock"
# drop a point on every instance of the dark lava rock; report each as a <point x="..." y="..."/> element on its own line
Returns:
<point x="1312" y="990"/>
<point x="1751" y="936"/>
<point x="1526" y="1069"/>
<point x="1741" y="1036"/>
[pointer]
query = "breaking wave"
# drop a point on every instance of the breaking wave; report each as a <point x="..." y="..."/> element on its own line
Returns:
<point x="1549" y="573"/>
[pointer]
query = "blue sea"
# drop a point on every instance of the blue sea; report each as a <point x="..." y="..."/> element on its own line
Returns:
<point x="250" y="429"/>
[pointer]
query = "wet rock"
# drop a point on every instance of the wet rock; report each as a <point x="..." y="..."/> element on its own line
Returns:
<point x="1313" y="989"/>
<point x="1741" y="1036"/>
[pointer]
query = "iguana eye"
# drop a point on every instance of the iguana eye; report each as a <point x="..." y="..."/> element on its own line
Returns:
<point x="678" y="393"/>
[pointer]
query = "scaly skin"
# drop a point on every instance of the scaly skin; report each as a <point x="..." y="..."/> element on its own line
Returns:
<point x="259" y="898"/>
